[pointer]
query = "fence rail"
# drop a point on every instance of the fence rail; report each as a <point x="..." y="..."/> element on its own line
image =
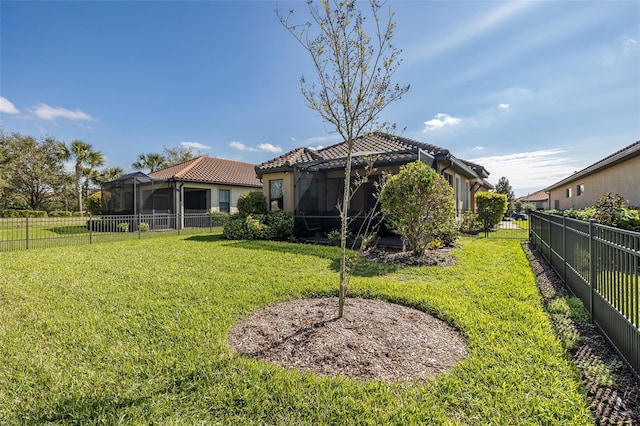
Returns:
<point x="24" y="233"/>
<point x="601" y="266"/>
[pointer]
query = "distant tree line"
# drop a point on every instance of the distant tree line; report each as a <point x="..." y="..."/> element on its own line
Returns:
<point x="35" y="175"/>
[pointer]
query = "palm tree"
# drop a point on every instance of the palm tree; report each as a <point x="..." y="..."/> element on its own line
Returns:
<point x="108" y="174"/>
<point x="84" y="156"/>
<point x="151" y="161"/>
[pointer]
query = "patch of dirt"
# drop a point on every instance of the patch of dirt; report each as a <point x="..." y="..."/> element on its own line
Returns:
<point x="374" y="340"/>
<point x="440" y="257"/>
<point x="615" y="404"/>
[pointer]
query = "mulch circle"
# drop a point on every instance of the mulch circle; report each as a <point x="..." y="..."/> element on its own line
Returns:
<point x="374" y="339"/>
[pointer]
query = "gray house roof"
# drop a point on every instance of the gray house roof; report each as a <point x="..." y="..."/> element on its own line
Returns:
<point x="387" y="150"/>
<point x="619" y="156"/>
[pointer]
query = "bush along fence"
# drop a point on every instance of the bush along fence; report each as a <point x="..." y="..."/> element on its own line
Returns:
<point x="24" y="233"/>
<point x="600" y="265"/>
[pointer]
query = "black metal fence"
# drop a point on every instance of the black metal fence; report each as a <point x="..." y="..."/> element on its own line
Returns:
<point x="601" y="266"/>
<point x="24" y="233"/>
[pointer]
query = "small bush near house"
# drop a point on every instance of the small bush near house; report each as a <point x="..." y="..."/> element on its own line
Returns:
<point x="419" y="205"/>
<point x="218" y="218"/>
<point x="470" y="223"/>
<point x="123" y="227"/>
<point x="491" y="208"/>
<point x="271" y="226"/>
<point x="143" y="227"/>
<point x="252" y="203"/>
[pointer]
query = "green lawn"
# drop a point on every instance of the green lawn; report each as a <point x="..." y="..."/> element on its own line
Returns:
<point x="134" y="332"/>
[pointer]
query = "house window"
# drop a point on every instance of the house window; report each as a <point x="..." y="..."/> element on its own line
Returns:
<point x="568" y="192"/>
<point x="224" y="200"/>
<point x="580" y="189"/>
<point x="275" y="195"/>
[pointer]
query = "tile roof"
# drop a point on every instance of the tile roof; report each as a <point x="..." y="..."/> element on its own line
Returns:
<point x="211" y="170"/>
<point x="389" y="147"/>
<point x="536" y="196"/>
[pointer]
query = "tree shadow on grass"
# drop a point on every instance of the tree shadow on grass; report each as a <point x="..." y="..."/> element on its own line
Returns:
<point x="206" y="238"/>
<point x="364" y="268"/>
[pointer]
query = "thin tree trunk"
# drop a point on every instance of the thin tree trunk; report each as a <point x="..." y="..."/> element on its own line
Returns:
<point x="343" y="234"/>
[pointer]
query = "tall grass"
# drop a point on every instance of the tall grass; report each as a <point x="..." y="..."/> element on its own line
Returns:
<point x="135" y="332"/>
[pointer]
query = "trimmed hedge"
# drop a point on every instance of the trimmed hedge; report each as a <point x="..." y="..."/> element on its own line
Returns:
<point x="270" y="226"/>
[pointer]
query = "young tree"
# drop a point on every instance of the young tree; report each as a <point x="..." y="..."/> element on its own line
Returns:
<point x="151" y="161"/>
<point x="83" y="156"/>
<point x="354" y="71"/>
<point x="504" y="187"/>
<point x="419" y="204"/>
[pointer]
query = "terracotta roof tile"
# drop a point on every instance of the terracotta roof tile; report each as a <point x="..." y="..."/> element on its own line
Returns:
<point x="213" y="170"/>
<point x="536" y="196"/>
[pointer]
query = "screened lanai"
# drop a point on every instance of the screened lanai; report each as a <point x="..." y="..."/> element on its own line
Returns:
<point x="137" y="193"/>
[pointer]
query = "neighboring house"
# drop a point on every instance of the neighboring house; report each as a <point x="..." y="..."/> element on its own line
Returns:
<point x="202" y="184"/>
<point x="539" y="199"/>
<point x="617" y="173"/>
<point x="310" y="182"/>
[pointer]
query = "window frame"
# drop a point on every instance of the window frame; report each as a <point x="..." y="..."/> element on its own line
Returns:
<point x="228" y="202"/>
<point x="276" y="203"/>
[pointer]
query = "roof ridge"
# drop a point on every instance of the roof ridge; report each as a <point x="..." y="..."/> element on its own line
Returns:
<point x="189" y="167"/>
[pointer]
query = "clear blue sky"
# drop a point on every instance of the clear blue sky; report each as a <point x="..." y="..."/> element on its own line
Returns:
<point x="533" y="90"/>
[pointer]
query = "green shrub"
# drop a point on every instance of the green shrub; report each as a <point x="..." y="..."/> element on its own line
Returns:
<point x="419" y="205"/>
<point x="22" y="213"/>
<point x="60" y="213"/>
<point x="281" y="225"/>
<point x="271" y="226"/>
<point x="94" y="203"/>
<point x="218" y="218"/>
<point x="491" y="208"/>
<point x="123" y="227"/>
<point x="143" y="227"/>
<point x="252" y="203"/>
<point x="470" y="223"/>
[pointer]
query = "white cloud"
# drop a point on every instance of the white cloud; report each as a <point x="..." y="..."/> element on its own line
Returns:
<point x="263" y="147"/>
<point x="478" y="148"/>
<point x="503" y="106"/>
<point x="7" y="107"/>
<point x="441" y="120"/>
<point x="267" y="147"/>
<point x="629" y="45"/>
<point x="50" y="113"/>
<point x="194" y="145"/>
<point x="534" y="169"/>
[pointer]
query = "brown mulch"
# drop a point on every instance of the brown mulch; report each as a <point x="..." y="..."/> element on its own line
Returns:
<point x="617" y="404"/>
<point x="373" y="340"/>
<point x="440" y="257"/>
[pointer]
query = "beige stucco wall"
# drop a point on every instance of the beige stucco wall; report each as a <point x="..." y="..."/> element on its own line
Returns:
<point x="622" y="178"/>
<point x="287" y="188"/>
<point x="213" y="203"/>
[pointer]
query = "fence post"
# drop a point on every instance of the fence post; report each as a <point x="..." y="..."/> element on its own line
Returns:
<point x="592" y="266"/>
<point x="210" y="222"/>
<point x="564" y="248"/>
<point x="139" y="232"/>
<point x="90" y="225"/>
<point x="26" y="233"/>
